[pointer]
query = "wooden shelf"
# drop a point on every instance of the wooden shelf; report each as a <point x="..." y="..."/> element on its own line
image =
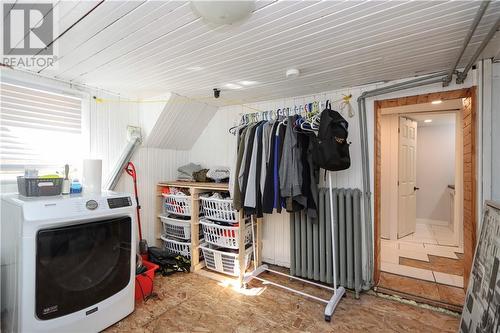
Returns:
<point x="197" y="185"/>
<point x="195" y="189"/>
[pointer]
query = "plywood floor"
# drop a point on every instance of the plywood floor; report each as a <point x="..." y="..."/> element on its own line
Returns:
<point x="434" y="293"/>
<point x="193" y="303"/>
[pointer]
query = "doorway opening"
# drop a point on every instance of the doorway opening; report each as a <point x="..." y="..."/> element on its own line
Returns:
<point x="419" y="201"/>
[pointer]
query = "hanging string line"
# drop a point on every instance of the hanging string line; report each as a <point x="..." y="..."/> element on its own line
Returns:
<point x="307" y="108"/>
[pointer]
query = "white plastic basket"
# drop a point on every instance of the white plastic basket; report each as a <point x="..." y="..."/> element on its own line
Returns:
<point x="222" y="261"/>
<point x="175" y="227"/>
<point x="219" y="209"/>
<point x="177" y="204"/>
<point x="177" y="247"/>
<point x="224" y="236"/>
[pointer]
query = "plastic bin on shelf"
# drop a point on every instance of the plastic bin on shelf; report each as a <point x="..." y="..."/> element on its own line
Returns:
<point x="224" y="236"/>
<point x="173" y="227"/>
<point x="224" y="261"/>
<point x="219" y="209"/>
<point x="177" y="247"/>
<point x="177" y="204"/>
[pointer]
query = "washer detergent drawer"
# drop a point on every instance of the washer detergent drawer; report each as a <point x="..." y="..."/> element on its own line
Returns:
<point x="81" y="265"/>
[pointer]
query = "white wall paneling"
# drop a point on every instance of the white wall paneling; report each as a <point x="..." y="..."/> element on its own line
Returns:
<point x="108" y="128"/>
<point x="435" y="171"/>
<point x="153" y="165"/>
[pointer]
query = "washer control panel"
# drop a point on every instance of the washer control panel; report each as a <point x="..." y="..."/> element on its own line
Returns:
<point x="119" y="202"/>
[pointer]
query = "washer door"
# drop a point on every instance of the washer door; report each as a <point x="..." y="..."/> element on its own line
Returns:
<point x="81" y="265"/>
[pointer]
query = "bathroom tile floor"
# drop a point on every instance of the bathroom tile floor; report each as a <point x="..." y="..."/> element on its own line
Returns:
<point x="426" y="255"/>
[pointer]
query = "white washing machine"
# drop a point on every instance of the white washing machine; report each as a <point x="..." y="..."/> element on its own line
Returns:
<point x="67" y="263"/>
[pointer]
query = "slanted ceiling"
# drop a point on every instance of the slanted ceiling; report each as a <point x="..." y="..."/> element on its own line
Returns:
<point x="147" y="48"/>
<point x="180" y="123"/>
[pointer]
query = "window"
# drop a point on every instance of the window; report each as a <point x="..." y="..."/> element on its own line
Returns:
<point x="38" y="129"/>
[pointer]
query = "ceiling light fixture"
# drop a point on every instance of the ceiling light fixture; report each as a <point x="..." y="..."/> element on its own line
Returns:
<point x="232" y="86"/>
<point x="223" y="12"/>
<point x="248" y="83"/>
<point x="437" y="102"/>
<point x="292" y="73"/>
<point x="194" y="68"/>
<point x="428" y="121"/>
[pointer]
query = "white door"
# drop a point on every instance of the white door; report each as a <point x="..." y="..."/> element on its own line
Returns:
<point x="407" y="175"/>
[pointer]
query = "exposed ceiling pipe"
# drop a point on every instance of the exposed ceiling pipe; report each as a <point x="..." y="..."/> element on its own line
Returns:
<point x="365" y="160"/>
<point x="462" y="75"/>
<point x="404" y="83"/>
<point x="479" y="15"/>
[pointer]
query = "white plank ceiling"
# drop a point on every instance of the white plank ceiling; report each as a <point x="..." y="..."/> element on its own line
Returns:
<point x="148" y="48"/>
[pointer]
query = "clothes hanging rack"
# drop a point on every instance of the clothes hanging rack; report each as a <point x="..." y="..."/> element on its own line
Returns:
<point x="307" y="110"/>
<point x="338" y="291"/>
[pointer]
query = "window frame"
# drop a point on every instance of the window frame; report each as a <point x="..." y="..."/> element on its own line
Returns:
<point x="32" y="81"/>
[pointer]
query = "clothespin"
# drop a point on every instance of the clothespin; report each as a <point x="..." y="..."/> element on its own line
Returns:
<point x="346" y="98"/>
<point x="346" y="102"/>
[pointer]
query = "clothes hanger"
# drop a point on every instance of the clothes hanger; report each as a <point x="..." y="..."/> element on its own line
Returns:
<point x="233" y="129"/>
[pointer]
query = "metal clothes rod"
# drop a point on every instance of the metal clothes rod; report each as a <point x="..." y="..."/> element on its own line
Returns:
<point x="307" y="107"/>
<point x="290" y="289"/>
<point x="299" y="279"/>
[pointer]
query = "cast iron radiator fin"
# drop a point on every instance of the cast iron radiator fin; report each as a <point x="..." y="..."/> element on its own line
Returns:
<point x="311" y="241"/>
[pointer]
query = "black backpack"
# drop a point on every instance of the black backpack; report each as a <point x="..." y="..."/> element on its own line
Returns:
<point x="331" y="149"/>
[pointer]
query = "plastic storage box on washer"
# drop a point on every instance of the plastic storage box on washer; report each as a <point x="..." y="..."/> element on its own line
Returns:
<point x="177" y="204"/>
<point x="38" y="187"/>
<point x="217" y="209"/>
<point x="224" y="261"/>
<point x="224" y="236"/>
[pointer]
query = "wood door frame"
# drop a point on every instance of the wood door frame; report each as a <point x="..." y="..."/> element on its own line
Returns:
<point x="469" y="168"/>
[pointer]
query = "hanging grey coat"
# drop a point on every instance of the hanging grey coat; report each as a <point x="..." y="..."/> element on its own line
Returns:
<point x="290" y="171"/>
